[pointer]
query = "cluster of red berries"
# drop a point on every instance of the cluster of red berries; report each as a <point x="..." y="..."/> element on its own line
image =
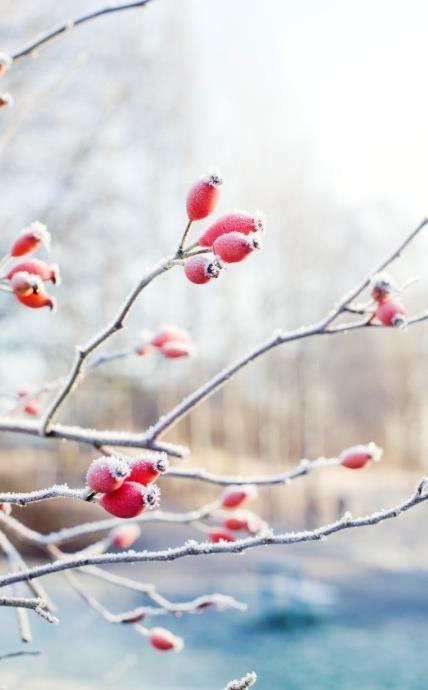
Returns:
<point x="236" y="520"/>
<point x="127" y="488"/>
<point x="171" y="342"/>
<point x="229" y="239"/>
<point x="26" y="278"/>
<point x="388" y="311"/>
<point x="357" y="457"/>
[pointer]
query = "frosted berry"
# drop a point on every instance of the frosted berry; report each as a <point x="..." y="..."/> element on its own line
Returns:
<point x="107" y="474"/>
<point x="234" y="496"/>
<point x="165" y="640"/>
<point x="391" y="313"/>
<point x="36" y="267"/>
<point x="218" y="535"/>
<point x="357" y="457"/>
<point x="147" y="470"/>
<point x="382" y="288"/>
<point x="232" y="222"/>
<point x="245" y="521"/>
<point x="203" y="196"/>
<point x="24" y="284"/>
<point x="130" y="500"/>
<point x="30" y="239"/>
<point x="169" y="333"/>
<point x="124" y="536"/>
<point x="37" y="300"/>
<point x="202" y="269"/>
<point x="235" y="246"/>
<point x="174" y="350"/>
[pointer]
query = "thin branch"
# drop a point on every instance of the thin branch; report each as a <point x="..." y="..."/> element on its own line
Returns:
<point x="57" y="491"/>
<point x="71" y="24"/>
<point x="12" y="655"/>
<point x="37" y="605"/>
<point x="193" y="548"/>
<point x="116" y="325"/>
<point x="245" y="682"/>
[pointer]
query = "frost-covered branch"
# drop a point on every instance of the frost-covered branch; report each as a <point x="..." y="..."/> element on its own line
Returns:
<point x="280" y="338"/>
<point x="70" y="24"/>
<point x="246" y="682"/>
<point x="193" y="548"/>
<point x="35" y="604"/>
<point x="56" y="491"/>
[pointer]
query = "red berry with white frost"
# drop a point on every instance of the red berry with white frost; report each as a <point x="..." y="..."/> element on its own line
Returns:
<point x="244" y="521"/>
<point x="124" y="536"/>
<point x="36" y="267"/>
<point x="175" y="350"/>
<point x="37" y="300"/>
<point x="218" y="535"/>
<point x="239" y="221"/>
<point x="24" y="284"/>
<point x="235" y="246"/>
<point x="165" y="640"/>
<point x="30" y="239"/>
<point x="356" y="457"/>
<point x="130" y="500"/>
<point x="201" y="269"/>
<point x="169" y="333"/>
<point x="382" y="288"/>
<point x="234" y="496"/>
<point x="107" y="474"/>
<point x="391" y="313"/>
<point x="146" y="470"/>
<point x="203" y="196"/>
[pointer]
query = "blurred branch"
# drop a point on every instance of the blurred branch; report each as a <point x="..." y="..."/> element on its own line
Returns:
<point x="193" y="548"/>
<point x="72" y="23"/>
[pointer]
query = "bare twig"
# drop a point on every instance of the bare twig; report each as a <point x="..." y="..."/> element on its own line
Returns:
<point x="193" y="548"/>
<point x="71" y="24"/>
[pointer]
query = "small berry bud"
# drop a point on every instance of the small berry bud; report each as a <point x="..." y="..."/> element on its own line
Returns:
<point x="130" y="500"/>
<point x="391" y="313"/>
<point x="24" y="284"/>
<point x="357" y="457"/>
<point x="382" y="287"/>
<point x="218" y="535"/>
<point x="174" y="350"/>
<point x="124" y="536"/>
<point x="5" y="63"/>
<point x="30" y="238"/>
<point x="202" y="269"/>
<point x="234" y="496"/>
<point x="245" y="521"/>
<point x="165" y="640"/>
<point x="147" y="470"/>
<point x="235" y="246"/>
<point x="203" y="196"/>
<point x="36" y="267"/>
<point x="240" y="221"/>
<point x="30" y="407"/>
<point x="107" y="474"/>
<point x="169" y="334"/>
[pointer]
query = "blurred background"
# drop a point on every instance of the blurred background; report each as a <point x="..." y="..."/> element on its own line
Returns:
<point x="316" y="114"/>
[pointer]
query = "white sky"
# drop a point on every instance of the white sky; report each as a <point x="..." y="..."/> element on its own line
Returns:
<point x="342" y="82"/>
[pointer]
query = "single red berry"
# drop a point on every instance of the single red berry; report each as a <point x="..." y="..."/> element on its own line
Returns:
<point x="174" y="350"/>
<point x="391" y="313"/>
<point x="107" y="474"/>
<point x="239" y="221"/>
<point x="147" y="470"/>
<point x="201" y="269"/>
<point x="36" y="267"/>
<point x="37" y="300"/>
<point x="130" y="500"/>
<point x="30" y="239"/>
<point x="382" y="288"/>
<point x="218" y="535"/>
<point x="124" y="536"/>
<point x="235" y="246"/>
<point x="165" y="640"/>
<point x="357" y="457"/>
<point x="234" y="496"/>
<point x="24" y="284"/>
<point x="245" y="521"/>
<point x="169" y="333"/>
<point x="203" y="196"/>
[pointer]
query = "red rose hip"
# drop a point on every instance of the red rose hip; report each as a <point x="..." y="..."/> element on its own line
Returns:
<point x="235" y="246"/>
<point x="130" y="500"/>
<point x="201" y="269"/>
<point x="107" y="474"/>
<point x="203" y="196"/>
